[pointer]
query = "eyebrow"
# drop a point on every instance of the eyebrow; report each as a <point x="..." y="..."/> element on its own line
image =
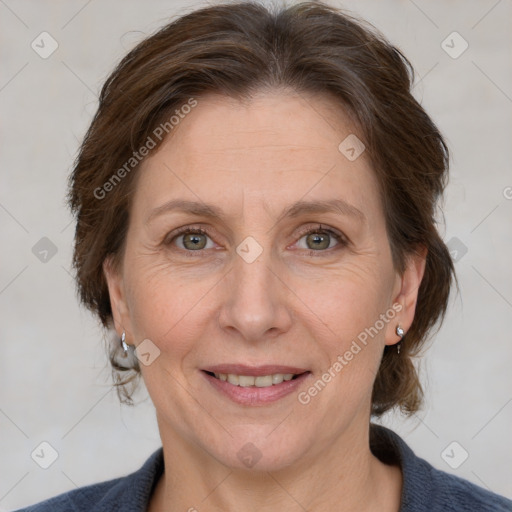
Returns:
<point x="201" y="209"/>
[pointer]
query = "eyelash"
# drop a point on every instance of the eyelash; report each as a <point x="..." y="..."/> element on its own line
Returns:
<point x="310" y="252"/>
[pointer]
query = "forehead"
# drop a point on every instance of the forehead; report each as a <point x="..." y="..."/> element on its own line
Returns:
<point x="280" y="121"/>
<point x="276" y="146"/>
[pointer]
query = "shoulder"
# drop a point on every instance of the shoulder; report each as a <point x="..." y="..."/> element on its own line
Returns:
<point x="80" y="499"/>
<point x="428" y="489"/>
<point x="131" y="492"/>
<point x="452" y="493"/>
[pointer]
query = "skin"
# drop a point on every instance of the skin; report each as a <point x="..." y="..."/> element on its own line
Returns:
<point x="289" y="306"/>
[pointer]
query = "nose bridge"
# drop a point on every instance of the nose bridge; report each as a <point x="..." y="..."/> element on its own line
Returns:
<point x="255" y="301"/>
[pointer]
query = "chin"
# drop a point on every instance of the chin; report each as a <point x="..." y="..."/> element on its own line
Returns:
<point x="256" y="450"/>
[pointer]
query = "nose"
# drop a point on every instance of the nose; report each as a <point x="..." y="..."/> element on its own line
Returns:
<point x="256" y="301"/>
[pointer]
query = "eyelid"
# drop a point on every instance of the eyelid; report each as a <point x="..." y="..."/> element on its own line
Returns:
<point x="175" y="233"/>
<point x="319" y="228"/>
<point x="302" y="231"/>
<point x="305" y="230"/>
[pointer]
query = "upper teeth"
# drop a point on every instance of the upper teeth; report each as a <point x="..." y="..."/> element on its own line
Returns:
<point x="261" y="381"/>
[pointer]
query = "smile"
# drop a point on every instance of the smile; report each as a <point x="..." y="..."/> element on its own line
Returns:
<point x="262" y="381"/>
<point x="255" y="390"/>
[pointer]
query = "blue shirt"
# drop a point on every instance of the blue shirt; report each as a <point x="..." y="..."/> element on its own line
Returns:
<point x="425" y="489"/>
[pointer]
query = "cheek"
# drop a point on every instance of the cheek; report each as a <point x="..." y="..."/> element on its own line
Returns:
<point x="350" y="299"/>
<point x="349" y="330"/>
<point x="165" y="306"/>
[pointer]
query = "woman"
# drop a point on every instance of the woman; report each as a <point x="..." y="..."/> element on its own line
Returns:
<point x="255" y="206"/>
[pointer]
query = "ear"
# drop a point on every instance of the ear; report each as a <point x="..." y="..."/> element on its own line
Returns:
<point x="406" y="293"/>
<point x="118" y="303"/>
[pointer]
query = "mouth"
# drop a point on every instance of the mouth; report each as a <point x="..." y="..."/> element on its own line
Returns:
<point x="255" y="385"/>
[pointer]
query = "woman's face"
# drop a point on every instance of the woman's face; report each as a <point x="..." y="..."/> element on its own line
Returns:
<point x="255" y="288"/>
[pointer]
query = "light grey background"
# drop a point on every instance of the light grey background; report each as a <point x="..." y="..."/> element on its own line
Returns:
<point x="54" y="380"/>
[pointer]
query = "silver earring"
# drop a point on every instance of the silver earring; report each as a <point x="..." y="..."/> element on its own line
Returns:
<point x="399" y="332"/>
<point x="124" y="344"/>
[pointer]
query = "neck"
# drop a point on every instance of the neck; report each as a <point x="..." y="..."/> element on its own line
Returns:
<point x="345" y="476"/>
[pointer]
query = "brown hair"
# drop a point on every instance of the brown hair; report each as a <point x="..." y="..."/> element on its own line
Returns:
<point x="237" y="49"/>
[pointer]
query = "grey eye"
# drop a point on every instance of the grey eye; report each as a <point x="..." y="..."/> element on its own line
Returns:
<point x="318" y="240"/>
<point x="193" y="240"/>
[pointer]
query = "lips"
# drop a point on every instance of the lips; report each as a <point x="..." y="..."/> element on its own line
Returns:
<point x="256" y="389"/>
